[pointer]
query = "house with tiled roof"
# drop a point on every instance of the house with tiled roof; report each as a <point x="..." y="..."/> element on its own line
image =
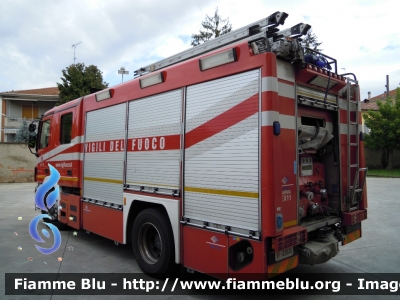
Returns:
<point x="15" y="106"/>
<point x="372" y="104"/>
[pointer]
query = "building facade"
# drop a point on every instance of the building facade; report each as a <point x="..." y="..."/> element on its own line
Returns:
<point x="371" y="104"/>
<point x="16" y="106"/>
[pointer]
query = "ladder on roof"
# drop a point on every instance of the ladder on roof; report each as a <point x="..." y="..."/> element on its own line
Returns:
<point x="265" y="28"/>
<point x="354" y="188"/>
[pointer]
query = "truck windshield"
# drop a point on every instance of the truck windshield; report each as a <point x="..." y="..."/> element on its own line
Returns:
<point x="44" y="134"/>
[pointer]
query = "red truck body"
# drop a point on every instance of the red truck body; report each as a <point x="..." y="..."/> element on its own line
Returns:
<point x="243" y="168"/>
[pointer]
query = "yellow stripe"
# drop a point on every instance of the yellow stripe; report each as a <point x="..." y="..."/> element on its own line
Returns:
<point x="103" y="180"/>
<point x="221" y="192"/>
<point x="283" y="266"/>
<point x="293" y="262"/>
<point x="355" y="235"/>
<point x="69" y="178"/>
<point x="61" y="178"/>
<point x="290" y="224"/>
<point x="274" y="269"/>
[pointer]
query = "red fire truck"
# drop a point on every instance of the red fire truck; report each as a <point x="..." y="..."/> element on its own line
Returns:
<point x="242" y="155"/>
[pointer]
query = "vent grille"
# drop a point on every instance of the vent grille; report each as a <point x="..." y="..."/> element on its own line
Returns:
<point x="360" y="216"/>
<point x="354" y="217"/>
<point x="290" y="240"/>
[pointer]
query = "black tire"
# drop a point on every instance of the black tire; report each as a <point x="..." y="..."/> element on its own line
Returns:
<point x="48" y="220"/>
<point x="56" y="223"/>
<point x="153" y="242"/>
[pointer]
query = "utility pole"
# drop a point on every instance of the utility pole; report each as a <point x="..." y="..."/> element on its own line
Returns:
<point x="123" y="71"/>
<point x="74" y="46"/>
<point x="387" y="86"/>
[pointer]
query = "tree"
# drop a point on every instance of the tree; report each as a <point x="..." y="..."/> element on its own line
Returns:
<point x="214" y="27"/>
<point x="22" y="135"/>
<point x="78" y="80"/>
<point x="385" y="127"/>
<point x="311" y="41"/>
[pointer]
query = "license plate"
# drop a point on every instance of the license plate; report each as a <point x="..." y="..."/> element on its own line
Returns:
<point x="283" y="254"/>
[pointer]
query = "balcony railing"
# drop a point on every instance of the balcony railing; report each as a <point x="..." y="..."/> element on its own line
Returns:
<point x="14" y="123"/>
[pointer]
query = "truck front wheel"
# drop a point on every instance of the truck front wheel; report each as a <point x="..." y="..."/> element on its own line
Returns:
<point x="153" y="242"/>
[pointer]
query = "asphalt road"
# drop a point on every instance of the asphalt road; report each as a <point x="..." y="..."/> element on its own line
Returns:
<point x="378" y="251"/>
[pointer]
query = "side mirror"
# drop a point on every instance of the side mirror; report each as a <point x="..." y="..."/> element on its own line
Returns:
<point x="32" y="128"/>
<point x="32" y="138"/>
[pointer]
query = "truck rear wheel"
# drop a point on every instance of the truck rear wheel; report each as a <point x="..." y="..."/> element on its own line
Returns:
<point x="153" y="242"/>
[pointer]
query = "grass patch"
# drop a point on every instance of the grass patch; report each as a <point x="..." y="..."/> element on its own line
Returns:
<point x="384" y="173"/>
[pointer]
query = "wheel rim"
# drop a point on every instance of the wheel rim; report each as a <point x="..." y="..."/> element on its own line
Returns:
<point x="150" y="243"/>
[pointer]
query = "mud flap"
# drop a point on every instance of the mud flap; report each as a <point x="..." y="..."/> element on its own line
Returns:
<point x="351" y="237"/>
<point x="319" y="251"/>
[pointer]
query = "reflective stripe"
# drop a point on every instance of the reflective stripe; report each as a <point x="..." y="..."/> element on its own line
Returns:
<point x="269" y="84"/>
<point x="290" y="224"/>
<point x="351" y="237"/>
<point x="343" y="129"/>
<point x="103" y="180"/>
<point x="285" y="70"/>
<point x="66" y="156"/>
<point x="283" y="266"/>
<point x="343" y="105"/>
<point x="61" y="178"/>
<point x="76" y="140"/>
<point x="286" y="90"/>
<point x="269" y="117"/>
<point x="221" y="192"/>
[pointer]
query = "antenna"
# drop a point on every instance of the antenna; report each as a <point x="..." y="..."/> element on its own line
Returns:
<point x="123" y="71"/>
<point x="74" y="46"/>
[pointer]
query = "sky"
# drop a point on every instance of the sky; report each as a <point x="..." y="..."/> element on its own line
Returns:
<point x="36" y="37"/>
